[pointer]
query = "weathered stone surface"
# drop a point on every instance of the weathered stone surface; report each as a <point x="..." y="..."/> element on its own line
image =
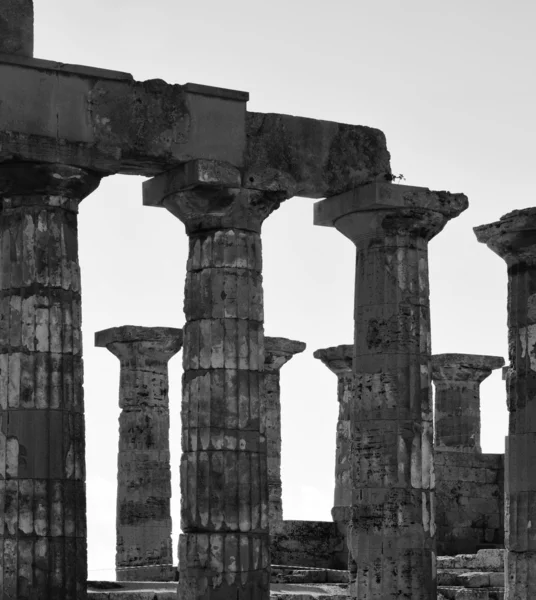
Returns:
<point x="42" y="439"/>
<point x="312" y="158"/>
<point x="469" y="501"/>
<point x="391" y="535"/>
<point x="105" y="121"/>
<point x="16" y="27"/>
<point x="338" y="360"/>
<point x="224" y="479"/>
<point x="457" y="379"/>
<point x="277" y="352"/>
<point x="143" y="520"/>
<point x="320" y="544"/>
<point x="514" y="239"/>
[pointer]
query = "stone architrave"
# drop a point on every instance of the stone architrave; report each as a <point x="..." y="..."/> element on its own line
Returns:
<point x="457" y="379"/>
<point x="43" y="543"/>
<point x="513" y="238"/>
<point x="224" y="549"/>
<point x="277" y="352"/>
<point x="143" y="521"/>
<point x="338" y="360"/>
<point x="391" y="531"/>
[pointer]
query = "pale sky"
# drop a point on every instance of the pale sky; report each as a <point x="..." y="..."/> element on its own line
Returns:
<point x="452" y="86"/>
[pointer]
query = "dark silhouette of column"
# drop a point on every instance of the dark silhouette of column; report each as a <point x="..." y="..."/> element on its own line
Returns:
<point x="391" y="532"/>
<point x="277" y="352"/>
<point x="43" y="550"/>
<point x="513" y="238"/>
<point x="224" y="551"/>
<point x="457" y="379"/>
<point x="143" y="520"/>
<point x="338" y="360"/>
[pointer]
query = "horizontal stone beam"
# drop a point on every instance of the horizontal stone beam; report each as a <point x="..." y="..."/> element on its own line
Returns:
<point x="105" y="121"/>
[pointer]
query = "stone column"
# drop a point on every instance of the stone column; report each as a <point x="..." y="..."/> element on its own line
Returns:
<point x="457" y="379"/>
<point x="513" y="238"/>
<point x="143" y="520"/>
<point x="43" y="550"/>
<point x="277" y="352"/>
<point x="338" y="360"/>
<point x="391" y="531"/>
<point x="224" y="550"/>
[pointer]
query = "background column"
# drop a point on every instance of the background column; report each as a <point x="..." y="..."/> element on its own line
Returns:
<point x="224" y="551"/>
<point x="143" y="521"/>
<point x="391" y="534"/>
<point x="513" y="238"/>
<point x="277" y="352"/>
<point x="338" y="360"/>
<point x="457" y="379"/>
<point x="43" y="551"/>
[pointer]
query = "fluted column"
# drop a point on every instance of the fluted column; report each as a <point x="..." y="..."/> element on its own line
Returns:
<point x="513" y="238"/>
<point x="43" y="551"/>
<point x="457" y="379"/>
<point x="277" y="352"/>
<point x="338" y="360"/>
<point x="224" y="550"/>
<point x="391" y="531"/>
<point x="143" y="519"/>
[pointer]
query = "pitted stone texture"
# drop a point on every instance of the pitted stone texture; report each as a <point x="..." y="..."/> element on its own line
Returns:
<point x="391" y="534"/>
<point x="338" y="360"/>
<point x="469" y="501"/>
<point x="42" y="430"/>
<point x="319" y="544"/>
<point x="281" y="156"/>
<point x="16" y="27"/>
<point x="514" y="239"/>
<point x="457" y="379"/>
<point x="277" y="352"/>
<point x="143" y="551"/>
<point x="224" y="478"/>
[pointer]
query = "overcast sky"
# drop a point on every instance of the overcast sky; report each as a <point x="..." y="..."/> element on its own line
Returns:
<point x="452" y="86"/>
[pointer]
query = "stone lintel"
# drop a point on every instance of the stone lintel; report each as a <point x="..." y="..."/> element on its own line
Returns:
<point x="464" y="367"/>
<point x="104" y="121"/>
<point x="16" y="27"/>
<point x="312" y="158"/>
<point x="278" y="351"/>
<point x="135" y="333"/>
<point x="513" y="237"/>
<point x="195" y="173"/>
<point x="338" y="359"/>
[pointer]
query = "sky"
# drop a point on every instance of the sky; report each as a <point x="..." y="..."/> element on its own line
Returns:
<point x="450" y="84"/>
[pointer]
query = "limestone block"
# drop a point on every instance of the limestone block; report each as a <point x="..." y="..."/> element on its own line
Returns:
<point x="16" y="27"/>
<point x="474" y="580"/>
<point x="342" y="156"/>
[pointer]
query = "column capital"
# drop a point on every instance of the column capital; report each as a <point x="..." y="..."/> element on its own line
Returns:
<point x="16" y="27"/>
<point x="513" y="237"/>
<point x="278" y="351"/>
<point x="464" y="367"/>
<point x="208" y="194"/>
<point x="338" y="359"/>
<point x="378" y="209"/>
<point x="21" y="183"/>
<point x="129" y="340"/>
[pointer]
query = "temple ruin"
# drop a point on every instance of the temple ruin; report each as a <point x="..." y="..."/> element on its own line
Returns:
<point x="419" y="511"/>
